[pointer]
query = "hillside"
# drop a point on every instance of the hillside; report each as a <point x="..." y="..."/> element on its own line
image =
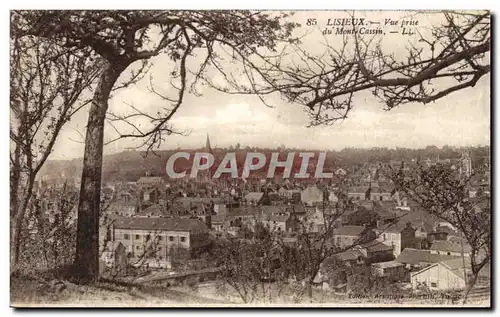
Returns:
<point x="130" y="165"/>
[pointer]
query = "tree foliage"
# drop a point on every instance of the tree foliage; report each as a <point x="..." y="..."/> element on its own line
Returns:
<point x="443" y="192"/>
<point x="47" y="84"/>
<point x="450" y="57"/>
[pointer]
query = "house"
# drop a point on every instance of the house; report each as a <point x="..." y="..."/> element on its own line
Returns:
<point x="358" y="193"/>
<point x="347" y="235"/>
<point x="312" y="196"/>
<point x="332" y="197"/>
<point x="332" y="271"/>
<point x="124" y="196"/>
<point x="340" y="172"/>
<point x="288" y="193"/>
<point x="354" y="256"/>
<point x="122" y="208"/>
<point x="437" y="235"/>
<point x="390" y="236"/>
<point x="314" y="220"/>
<point x="379" y="194"/>
<point x="218" y="222"/>
<point x="155" y="210"/>
<point x="254" y="197"/>
<point x="408" y="231"/>
<point x="158" y="239"/>
<point x="241" y="216"/>
<point x="365" y="253"/>
<point x="415" y="259"/>
<point x="375" y="251"/>
<point x="282" y="223"/>
<point x="444" y="233"/>
<point x="147" y="182"/>
<point x="392" y="269"/>
<point x="151" y="195"/>
<point x="274" y="210"/>
<point x="450" y="248"/>
<point x="444" y="275"/>
<point x="363" y="214"/>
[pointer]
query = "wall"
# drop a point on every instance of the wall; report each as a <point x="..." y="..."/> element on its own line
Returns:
<point x="166" y="240"/>
<point x="344" y="241"/>
<point x="444" y="278"/>
<point x="391" y="239"/>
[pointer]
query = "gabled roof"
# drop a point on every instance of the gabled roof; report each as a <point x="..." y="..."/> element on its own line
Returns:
<point x="243" y="211"/>
<point x="349" y="255"/>
<point x="457" y="266"/>
<point x="357" y="190"/>
<point x="277" y="218"/>
<point x="254" y="196"/>
<point x="150" y="179"/>
<point x="205" y="200"/>
<point x="446" y="229"/>
<point x="376" y="246"/>
<point x="123" y="192"/>
<point x="166" y="224"/>
<point x="378" y="190"/>
<point x="441" y="245"/>
<point x="386" y="265"/>
<point x="368" y="204"/>
<point x="153" y="210"/>
<point x="274" y="210"/>
<point x="298" y="208"/>
<point x="457" y="270"/>
<point x="152" y="190"/>
<point x="218" y="219"/>
<point x="349" y="231"/>
<point x="418" y="219"/>
<point x="416" y="257"/>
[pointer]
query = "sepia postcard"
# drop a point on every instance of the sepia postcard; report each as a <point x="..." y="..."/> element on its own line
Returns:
<point x="250" y="158"/>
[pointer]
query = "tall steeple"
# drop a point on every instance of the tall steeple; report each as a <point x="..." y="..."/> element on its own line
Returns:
<point x="206" y="175"/>
<point x="208" y="148"/>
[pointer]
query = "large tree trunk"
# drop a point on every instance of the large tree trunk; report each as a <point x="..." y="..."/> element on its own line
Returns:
<point x="14" y="206"/>
<point x="17" y="228"/>
<point x="22" y="199"/>
<point x="86" y="264"/>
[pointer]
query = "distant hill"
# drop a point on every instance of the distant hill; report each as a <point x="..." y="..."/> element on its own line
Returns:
<point x="130" y="165"/>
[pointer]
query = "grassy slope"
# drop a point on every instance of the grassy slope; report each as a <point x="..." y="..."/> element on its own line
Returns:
<point x="37" y="292"/>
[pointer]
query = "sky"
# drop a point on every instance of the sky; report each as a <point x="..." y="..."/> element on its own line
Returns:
<point x="459" y="119"/>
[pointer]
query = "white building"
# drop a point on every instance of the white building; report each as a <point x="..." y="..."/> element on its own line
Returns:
<point x="446" y="275"/>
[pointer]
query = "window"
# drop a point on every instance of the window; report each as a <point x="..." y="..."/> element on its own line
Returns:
<point x="137" y="237"/>
<point x="126" y="236"/>
<point x="160" y="238"/>
<point x="381" y="198"/>
<point x="138" y="247"/>
<point x="434" y="284"/>
<point x="183" y="239"/>
<point x="171" y="238"/>
<point x="148" y="237"/>
<point x="449" y="253"/>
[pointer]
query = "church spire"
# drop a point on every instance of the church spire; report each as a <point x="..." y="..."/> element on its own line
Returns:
<point x="208" y="148"/>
